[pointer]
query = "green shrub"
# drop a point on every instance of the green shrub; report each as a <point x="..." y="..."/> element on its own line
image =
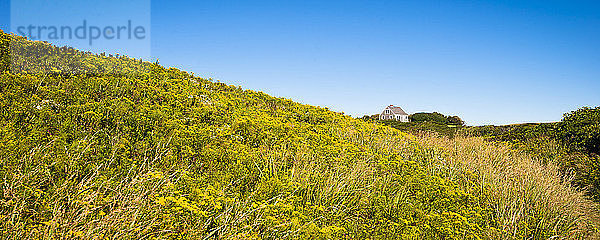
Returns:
<point x="455" y="120"/>
<point x="580" y="130"/>
<point x="429" y="117"/>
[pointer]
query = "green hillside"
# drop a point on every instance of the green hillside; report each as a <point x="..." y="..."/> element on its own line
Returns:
<point x="103" y="147"/>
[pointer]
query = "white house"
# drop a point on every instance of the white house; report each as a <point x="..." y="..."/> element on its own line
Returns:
<point x="392" y="112"/>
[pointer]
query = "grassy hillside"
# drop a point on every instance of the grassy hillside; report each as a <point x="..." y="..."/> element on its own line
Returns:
<point x="97" y="147"/>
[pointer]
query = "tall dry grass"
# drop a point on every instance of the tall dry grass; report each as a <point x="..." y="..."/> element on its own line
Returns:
<point x="528" y="198"/>
<point x="527" y="194"/>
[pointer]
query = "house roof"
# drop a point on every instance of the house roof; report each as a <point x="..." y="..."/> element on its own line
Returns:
<point x="396" y="110"/>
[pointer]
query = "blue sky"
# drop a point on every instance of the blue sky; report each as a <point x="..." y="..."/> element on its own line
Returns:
<point x="489" y="62"/>
<point x="34" y="18"/>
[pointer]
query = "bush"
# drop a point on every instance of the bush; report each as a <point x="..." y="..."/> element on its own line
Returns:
<point x="455" y="120"/>
<point x="580" y="130"/>
<point x="429" y="117"/>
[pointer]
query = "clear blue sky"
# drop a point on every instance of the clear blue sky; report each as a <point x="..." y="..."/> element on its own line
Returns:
<point x="490" y="62"/>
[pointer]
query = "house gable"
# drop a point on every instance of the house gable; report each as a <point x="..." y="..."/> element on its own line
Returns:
<point x="392" y="112"/>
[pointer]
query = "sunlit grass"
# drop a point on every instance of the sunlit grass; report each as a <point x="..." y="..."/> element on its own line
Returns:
<point x="156" y="153"/>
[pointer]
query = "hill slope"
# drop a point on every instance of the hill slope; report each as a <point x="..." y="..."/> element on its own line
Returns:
<point x="112" y="147"/>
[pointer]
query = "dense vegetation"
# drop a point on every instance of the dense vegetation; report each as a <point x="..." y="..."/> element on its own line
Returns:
<point x="572" y="143"/>
<point x="95" y="147"/>
<point x="424" y="123"/>
<point x="580" y="130"/>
